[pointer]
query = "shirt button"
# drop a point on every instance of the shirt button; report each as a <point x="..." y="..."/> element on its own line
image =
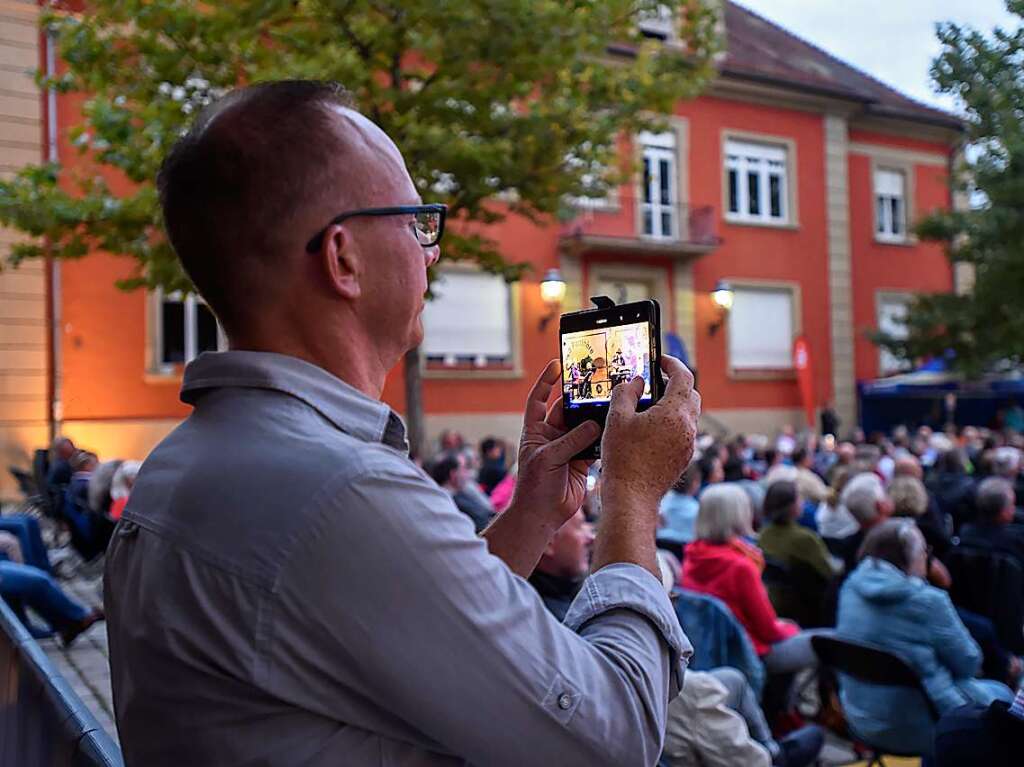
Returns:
<point x="564" y="701"/>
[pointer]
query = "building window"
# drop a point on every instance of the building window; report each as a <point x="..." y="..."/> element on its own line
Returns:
<point x="761" y="329"/>
<point x="468" y="323"/>
<point x="657" y="23"/>
<point x="658" y="209"/>
<point x="891" y="311"/>
<point x="186" y="327"/>
<point x="890" y="205"/>
<point x="757" y="181"/>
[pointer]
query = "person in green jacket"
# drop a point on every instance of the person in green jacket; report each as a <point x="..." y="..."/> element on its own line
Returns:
<point x="803" y="568"/>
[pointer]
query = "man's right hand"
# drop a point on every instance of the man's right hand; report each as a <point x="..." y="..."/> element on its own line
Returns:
<point x="643" y="454"/>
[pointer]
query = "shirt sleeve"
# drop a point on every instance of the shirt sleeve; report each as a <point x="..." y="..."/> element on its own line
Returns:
<point x="413" y="613"/>
<point x="953" y="644"/>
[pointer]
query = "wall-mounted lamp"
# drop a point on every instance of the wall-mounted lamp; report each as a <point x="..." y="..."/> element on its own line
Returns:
<point x="722" y="297"/>
<point x="552" y="292"/>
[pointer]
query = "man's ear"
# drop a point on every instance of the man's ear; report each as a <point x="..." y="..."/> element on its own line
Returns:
<point x="341" y="262"/>
<point x="549" y="550"/>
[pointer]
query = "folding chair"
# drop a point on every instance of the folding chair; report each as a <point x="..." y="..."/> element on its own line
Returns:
<point x="875" y="665"/>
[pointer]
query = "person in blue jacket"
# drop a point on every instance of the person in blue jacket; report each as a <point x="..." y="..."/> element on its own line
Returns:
<point x="887" y="602"/>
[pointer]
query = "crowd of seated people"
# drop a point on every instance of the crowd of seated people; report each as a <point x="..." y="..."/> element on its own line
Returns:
<point x="911" y="542"/>
<point x="481" y="481"/>
<point x="82" y="500"/>
<point x="879" y="541"/>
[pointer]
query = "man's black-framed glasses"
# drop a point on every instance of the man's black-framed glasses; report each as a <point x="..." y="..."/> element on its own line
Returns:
<point x="427" y="223"/>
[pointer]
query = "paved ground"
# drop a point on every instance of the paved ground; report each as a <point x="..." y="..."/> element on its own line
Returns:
<point x="86" y="663"/>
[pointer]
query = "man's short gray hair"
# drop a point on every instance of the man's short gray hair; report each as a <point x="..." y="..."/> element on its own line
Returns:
<point x="724" y="513"/>
<point x="1006" y="461"/>
<point x="993" y="496"/>
<point x="862" y="495"/>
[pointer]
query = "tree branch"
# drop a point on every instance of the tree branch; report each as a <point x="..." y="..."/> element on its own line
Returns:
<point x="364" y="50"/>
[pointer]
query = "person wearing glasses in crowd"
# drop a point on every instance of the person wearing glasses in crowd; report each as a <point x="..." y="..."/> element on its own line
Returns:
<point x="286" y="586"/>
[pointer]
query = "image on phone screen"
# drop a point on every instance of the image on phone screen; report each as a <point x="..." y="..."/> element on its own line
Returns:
<point x="597" y="360"/>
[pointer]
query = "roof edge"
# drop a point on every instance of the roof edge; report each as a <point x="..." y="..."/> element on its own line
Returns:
<point x="848" y="65"/>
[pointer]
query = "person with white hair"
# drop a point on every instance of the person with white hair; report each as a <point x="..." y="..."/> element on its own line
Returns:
<point x="1006" y="463"/>
<point x="834" y="521"/>
<point x="887" y="602"/>
<point x="992" y="528"/>
<point x="721" y="563"/>
<point x="865" y="498"/>
<point x="121" y="486"/>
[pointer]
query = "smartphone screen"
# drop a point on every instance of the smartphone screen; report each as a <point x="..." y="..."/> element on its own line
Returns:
<point x="596" y="361"/>
<point x="602" y="348"/>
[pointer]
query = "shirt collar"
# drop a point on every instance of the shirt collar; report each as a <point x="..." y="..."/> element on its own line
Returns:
<point x="555" y="586"/>
<point x="346" y="407"/>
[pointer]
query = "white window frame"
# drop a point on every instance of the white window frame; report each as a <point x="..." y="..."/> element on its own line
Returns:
<point x="470" y="365"/>
<point x="191" y="302"/>
<point x="883" y="200"/>
<point x="766" y="160"/>
<point x="659" y="23"/>
<point x="785" y="370"/>
<point x="888" y="363"/>
<point x="655" y="149"/>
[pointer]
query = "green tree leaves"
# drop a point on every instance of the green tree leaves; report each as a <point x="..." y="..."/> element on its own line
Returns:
<point x="983" y="330"/>
<point x="497" y="105"/>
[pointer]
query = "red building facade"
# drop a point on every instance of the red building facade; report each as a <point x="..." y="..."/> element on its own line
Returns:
<point x="795" y="178"/>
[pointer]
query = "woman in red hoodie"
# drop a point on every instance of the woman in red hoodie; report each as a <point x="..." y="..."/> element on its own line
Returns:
<point x="722" y="564"/>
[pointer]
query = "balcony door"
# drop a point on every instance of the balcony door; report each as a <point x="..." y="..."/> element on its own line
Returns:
<point x="659" y="209"/>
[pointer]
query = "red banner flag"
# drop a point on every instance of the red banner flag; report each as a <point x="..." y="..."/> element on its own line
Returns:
<point x="805" y="377"/>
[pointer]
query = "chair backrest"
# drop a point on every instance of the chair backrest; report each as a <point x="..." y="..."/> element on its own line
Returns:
<point x="797" y="591"/>
<point x="26" y="484"/>
<point x="870" y="663"/>
<point x="718" y="638"/>
<point x="990" y="583"/>
<point x="40" y="468"/>
<point x="775" y="571"/>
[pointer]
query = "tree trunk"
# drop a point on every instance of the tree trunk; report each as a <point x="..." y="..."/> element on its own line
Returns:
<point x="414" y="403"/>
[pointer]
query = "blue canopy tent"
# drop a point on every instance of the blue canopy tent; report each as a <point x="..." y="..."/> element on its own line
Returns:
<point x="917" y="398"/>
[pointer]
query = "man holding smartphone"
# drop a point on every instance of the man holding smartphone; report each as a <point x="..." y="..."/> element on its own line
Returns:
<point x="285" y="586"/>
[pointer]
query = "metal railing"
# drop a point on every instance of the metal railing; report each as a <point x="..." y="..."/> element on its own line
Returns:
<point x="627" y="218"/>
<point x="42" y="720"/>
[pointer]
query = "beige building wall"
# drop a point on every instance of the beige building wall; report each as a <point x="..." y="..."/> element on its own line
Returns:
<point x="23" y="324"/>
<point x="766" y="421"/>
<point x="128" y="438"/>
<point x="840" y="270"/>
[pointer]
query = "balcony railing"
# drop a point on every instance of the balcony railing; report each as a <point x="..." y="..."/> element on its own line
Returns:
<point x="628" y="225"/>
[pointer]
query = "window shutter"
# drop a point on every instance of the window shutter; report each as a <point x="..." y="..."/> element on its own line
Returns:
<point x="470" y="316"/>
<point x="890" y="311"/>
<point x="761" y="329"/>
<point x="889" y="182"/>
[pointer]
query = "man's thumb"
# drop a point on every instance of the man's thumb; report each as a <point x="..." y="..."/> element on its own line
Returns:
<point x="563" y="449"/>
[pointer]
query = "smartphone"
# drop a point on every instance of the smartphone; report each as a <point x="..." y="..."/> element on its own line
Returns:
<point x="602" y="348"/>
